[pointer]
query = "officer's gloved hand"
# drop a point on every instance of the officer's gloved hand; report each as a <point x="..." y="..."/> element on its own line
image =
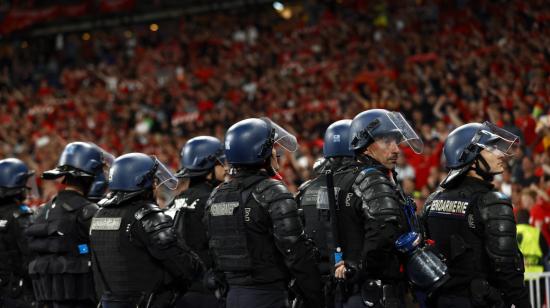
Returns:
<point x="483" y="294"/>
<point x="350" y="271"/>
<point x="215" y="282"/>
<point x="354" y="274"/>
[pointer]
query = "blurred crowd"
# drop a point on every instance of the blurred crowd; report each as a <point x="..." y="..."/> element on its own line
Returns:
<point x="149" y="88"/>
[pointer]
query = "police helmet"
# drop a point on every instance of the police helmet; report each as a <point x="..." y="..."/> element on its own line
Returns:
<point x="15" y="178"/>
<point x="250" y="142"/>
<point x="372" y="124"/>
<point x="465" y="143"/>
<point x="137" y="171"/>
<point x="79" y="159"/>
<point x="337" y="140"/>
<point x="199" y="155"/>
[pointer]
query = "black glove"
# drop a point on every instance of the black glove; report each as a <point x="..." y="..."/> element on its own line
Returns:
<point x="215" y="282"/>
<point x="354" y="272"/>
<point x="483" y="295"/>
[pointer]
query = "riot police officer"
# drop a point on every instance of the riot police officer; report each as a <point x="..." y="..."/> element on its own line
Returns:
<point x="313" y="200"/>
<point x="255" y="234"/>
<point x="15" y="182"/>
<point x="374" y="211"/>
<point x="473" y="225"/>
<point x="137" y="260"/>
<point x="202" y="161"/>
<point x="61" y="272"/>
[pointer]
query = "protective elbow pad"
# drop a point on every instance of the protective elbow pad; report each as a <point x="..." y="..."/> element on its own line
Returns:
<point x="500" y="228"/>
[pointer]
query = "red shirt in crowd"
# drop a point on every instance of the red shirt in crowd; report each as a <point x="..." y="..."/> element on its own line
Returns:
<point x="540" y="218"/>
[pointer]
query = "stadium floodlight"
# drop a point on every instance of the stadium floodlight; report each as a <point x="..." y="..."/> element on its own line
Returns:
<point x="278" y="6"/>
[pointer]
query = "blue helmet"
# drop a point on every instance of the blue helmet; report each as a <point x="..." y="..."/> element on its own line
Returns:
<point x="99" y="187"/>
<point x="14" y="173"/>
<point x="463" y="145"/>
<point x="79" y="159"/>
<point x="15" y="178"/>
<point x="137" y="171"/>
<point x="250" y="142"/>
<point x="372" y="124"/>
<point x="337" y="140"/>
<point x="200" y="155"/>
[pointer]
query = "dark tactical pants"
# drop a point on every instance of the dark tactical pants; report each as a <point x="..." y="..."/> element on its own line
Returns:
<point x="198" y="300"/>
<point x="243" y="297"/>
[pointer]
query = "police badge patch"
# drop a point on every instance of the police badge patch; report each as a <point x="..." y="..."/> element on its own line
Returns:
<point x="106" y="223"/>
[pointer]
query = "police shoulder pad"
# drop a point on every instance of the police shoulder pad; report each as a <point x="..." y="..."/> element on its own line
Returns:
<point x="265" y="184"/>
<point x="146" y="209"/>
<point x="89" y="210"/>
<point x="305" y="185"/>
<point x="271" y="190"/>
<point x="369" y="172"/>
<point x="495" y="197"/>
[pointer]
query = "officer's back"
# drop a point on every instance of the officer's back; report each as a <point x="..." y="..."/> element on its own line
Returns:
<point x="202" y="161"/>
<point x="59" y="236"/>
<point x="16" y="289"/>
<point x="137" y="258"/>
<point x="313" y="199"/>
<point x="255" y="233"/>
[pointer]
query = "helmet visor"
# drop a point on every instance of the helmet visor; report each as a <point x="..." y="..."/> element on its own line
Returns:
<point x="282" y="137"/>
<point x="496" y="140"/>
<point x="402" y="131"/>
<point x="107" y="158"/>
<point x="164" y="176"/>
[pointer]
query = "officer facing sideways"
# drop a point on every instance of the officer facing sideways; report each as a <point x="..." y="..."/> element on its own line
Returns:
<point x="373" y="211"/>
<point x="473" y="225"/>
<point x="16" y="180"/>
<point x="61" y="271"/>
<point x="312" y="199"/>
<point x="202" y="160"/>
<point x="255" y="233"/>
<point x="137" y="260"/>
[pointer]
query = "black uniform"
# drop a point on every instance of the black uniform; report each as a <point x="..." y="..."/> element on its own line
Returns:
<point x="371" y="217"/>
<point x="15" y="284"/>
<point x="257" y="241"/>
<point x="188" y="210"/>
<point x="473" y="227"/>
<point x="312" y="200"/>
<point x="137" y="258"/>
<point x="61" y="271"/>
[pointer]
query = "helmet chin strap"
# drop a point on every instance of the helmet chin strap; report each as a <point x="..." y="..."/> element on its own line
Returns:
<point x="482" y="168"/>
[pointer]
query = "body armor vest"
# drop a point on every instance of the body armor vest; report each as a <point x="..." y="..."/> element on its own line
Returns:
<point x="13" y="219"/>
<point x="188" y="219"/>
<point x="13" y="268"/>
<point x="61" y="270"/>
<point x="241" y="235"/>
<point x="124" y="268"/>
<point x="350" y="224"/>
<point x="453" y="222"/>
<point x="315" y="205"/>
<point x="367" y="206"/>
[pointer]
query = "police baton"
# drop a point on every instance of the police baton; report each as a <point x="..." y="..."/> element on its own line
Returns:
<point x="333" y="216"/>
